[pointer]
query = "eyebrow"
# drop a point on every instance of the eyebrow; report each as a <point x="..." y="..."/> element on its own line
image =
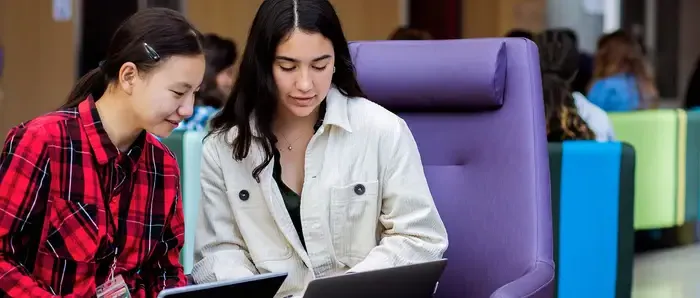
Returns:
<point x="297" y="60"/>
<point x="183" y="84"/>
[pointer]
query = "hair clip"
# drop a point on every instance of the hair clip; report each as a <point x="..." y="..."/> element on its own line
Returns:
<point x="151" y="52"/>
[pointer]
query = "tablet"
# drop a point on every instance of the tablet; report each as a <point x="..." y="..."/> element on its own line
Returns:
<point x="258" y="286"/>
<point x="410" y="281"/>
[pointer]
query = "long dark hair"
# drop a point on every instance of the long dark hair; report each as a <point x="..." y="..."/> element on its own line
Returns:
<point x="220" y="53"/>
<point x="146" y="38"/>
<point x="559" y="64"/>
<point x="255" y="94"/>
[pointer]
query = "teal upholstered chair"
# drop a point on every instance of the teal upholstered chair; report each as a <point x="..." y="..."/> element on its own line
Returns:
<point x="187" y="146"/>
<point x="593" y="206"/>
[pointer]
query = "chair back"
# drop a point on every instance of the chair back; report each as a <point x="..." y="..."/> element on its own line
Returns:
<point x="476" y="111"/>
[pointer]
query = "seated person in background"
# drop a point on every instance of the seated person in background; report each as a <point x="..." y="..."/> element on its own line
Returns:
<point x="585" y="67"/>
<point x="406" y="33"/>
<point x="569" y="116"/>
<point x="622" y="79"/>
<point x="302" y="174"/>
<point x="87" y="195"/>
<point x="220" y="54"/>
<point x="520" y="33"/>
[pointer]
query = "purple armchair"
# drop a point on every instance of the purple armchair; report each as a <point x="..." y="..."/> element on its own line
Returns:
<point x="475" y="108"/>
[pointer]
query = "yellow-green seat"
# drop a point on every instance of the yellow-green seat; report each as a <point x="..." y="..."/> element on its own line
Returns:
<point x="659" y="173"/>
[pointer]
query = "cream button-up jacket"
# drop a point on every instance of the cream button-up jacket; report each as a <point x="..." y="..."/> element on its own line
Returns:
<point x="365" y="204"/>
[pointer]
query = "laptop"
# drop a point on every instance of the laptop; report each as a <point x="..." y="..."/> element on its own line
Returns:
<point x="258" y="286"/>
<point x="410" y="281"/>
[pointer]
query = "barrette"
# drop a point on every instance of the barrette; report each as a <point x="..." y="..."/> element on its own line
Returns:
<point x="151" y="52"/>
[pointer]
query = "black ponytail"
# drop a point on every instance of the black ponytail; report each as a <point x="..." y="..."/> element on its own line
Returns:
<point x="93" y="83"/>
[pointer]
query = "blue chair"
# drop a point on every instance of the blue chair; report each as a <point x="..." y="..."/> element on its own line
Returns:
<point x="593" y="214"/>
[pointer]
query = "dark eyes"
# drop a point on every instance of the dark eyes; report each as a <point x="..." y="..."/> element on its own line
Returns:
<point x="287" y="69"/>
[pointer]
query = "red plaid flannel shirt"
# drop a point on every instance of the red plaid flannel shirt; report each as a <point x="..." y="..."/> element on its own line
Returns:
<point x="59" y="177"/>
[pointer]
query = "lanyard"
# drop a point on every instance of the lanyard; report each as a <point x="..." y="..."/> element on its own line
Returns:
<point x="114" y="264"/>
<point x="107" y="196"/>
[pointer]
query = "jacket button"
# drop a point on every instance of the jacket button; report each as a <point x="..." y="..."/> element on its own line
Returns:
<point x="243" y="195"/>
<point x="359" y="189"/>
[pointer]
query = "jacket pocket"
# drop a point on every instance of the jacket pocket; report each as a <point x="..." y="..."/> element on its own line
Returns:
<point x="72" y="231"/>
<point x="354" y="215"/>
<point x="258" y="227"/>
<point x="65" y="275"/>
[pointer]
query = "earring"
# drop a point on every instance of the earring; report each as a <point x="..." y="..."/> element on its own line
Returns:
<point x="333" y="69"/>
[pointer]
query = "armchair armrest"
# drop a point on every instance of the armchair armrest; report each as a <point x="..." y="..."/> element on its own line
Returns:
<point x="190" y="280"/>
<point x="535" y="283"/>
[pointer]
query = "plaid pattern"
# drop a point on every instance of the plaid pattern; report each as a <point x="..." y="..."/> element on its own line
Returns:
<point x="59" y="235"/>
<point x="199" y="119"/>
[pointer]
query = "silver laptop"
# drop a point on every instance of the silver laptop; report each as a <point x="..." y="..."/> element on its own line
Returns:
<point x="410" y="281"/>
<point x="258" y="286"/>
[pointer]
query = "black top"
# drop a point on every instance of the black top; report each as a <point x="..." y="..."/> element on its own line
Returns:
<point x="292" y="200"/>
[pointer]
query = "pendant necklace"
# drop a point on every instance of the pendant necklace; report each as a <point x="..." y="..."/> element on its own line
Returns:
<point x="289" y="144"/>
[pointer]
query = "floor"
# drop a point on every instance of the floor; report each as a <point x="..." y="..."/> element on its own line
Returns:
<point x="671" y="273"/>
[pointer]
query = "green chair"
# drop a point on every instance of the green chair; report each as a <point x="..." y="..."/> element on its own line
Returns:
<point x="692" y="167"/>
<point x="659" y="173"/>
<point x="191" y="191"/>
<point x="174" y="143"/>
<point x="187" y="147"/>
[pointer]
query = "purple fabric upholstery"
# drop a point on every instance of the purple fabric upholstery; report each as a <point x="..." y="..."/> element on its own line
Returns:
<point x="488" y="170"/>
<point x="437" y="80"/>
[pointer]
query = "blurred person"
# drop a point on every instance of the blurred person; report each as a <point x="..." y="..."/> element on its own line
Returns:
<point x="622" y="78"/>
<point x="585" y="66"/>
<point x="297" y="130"/>
<point x="569" y="115"/>
<point x="406" y="33"/>
<point x="88" y="195"/>
<point x="520" y="33"/>
<point x="220" y="54"/>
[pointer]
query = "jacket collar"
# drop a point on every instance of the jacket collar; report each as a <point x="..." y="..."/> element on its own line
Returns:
<point x="337" y="110"/>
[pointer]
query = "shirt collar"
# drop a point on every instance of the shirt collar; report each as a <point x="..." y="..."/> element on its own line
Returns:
<point x="102" y="147"/>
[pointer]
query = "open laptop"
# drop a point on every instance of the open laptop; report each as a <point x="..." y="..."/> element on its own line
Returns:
<point x="410" y="281"/>
<point x="258" y="286"/>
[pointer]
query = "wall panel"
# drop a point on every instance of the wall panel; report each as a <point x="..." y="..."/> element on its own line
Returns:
<point x="490" y="18"/>
<point x="361" y="19"/>
<point x="40" y="63"/>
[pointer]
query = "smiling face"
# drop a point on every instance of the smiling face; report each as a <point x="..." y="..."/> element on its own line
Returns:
<point x="303" y="70"/>
<point x="164" y="97"/>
